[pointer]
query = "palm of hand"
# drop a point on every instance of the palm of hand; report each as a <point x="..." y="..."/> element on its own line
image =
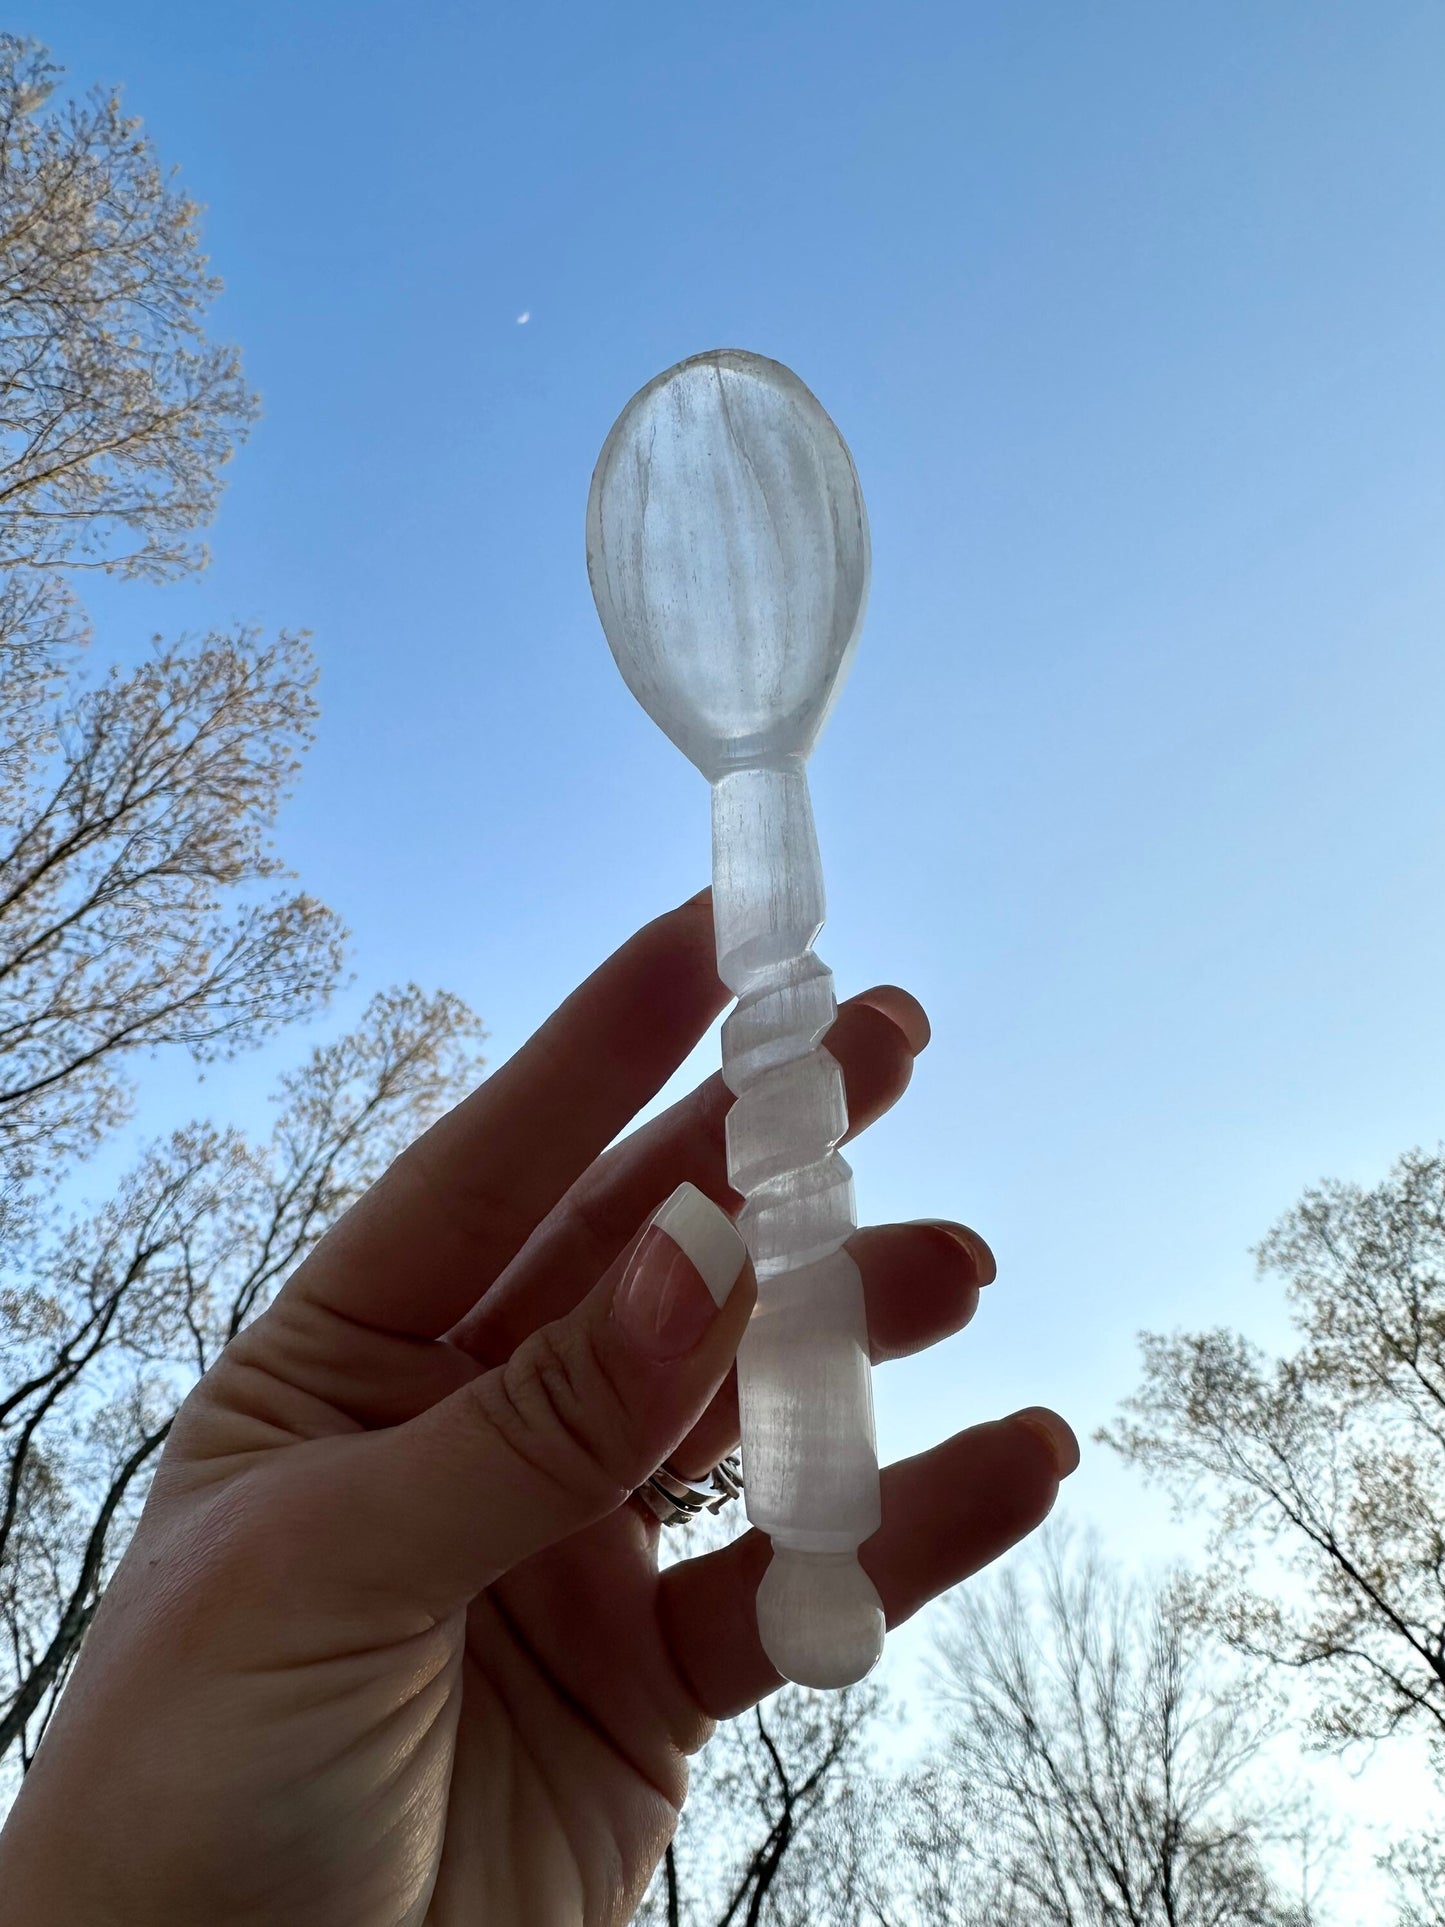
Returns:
<point x="566" y="1675"/>
<point x="519" y="1760"/>
<point x="381" y="1677"/>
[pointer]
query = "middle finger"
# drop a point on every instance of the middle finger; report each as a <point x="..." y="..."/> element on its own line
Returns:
<point x="920" y="1284"/>
<point x="874" y="1039"/>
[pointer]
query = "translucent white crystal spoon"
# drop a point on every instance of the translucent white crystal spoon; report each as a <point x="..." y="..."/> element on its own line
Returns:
<point x="727" y="546"/>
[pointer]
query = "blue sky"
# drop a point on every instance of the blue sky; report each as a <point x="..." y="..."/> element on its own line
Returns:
<point x="1132" y="317"/>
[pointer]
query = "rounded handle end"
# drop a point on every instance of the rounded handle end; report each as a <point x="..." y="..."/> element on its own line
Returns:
<point x="819" y="1617"/>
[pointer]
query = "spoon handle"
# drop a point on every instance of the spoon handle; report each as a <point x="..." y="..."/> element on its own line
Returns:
<point x="810" y="1463"/>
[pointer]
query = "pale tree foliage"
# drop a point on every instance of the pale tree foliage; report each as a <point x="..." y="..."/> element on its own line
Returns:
<point x="41" y="629"/>
<point x="117" y="415"/>
<point x="135" y="813"/>
<point x="1331" y="1459"/>
<point x="142" y="906"/>
<point x="1095" y="1764"/>
<point x="132" y="912"/>
<point x="1418" y="1870"/>
<point x="116" y="412"/>
<point x="106" y="1324"/>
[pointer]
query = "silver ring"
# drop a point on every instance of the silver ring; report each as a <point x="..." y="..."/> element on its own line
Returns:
<point x="675" y="1500"/>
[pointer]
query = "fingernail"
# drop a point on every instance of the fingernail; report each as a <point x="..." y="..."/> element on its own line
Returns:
<point x="1058" y="1436"/>
<point x="984" y="1263"/>
<point x="904" y="1011"/>
<point x="683" y="1271"/>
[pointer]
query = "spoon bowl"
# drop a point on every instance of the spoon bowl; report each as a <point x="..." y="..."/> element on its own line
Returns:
<point x="727" y="546"/>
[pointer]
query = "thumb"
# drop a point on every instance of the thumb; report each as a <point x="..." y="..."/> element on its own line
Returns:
<point x="580" y="1415"/>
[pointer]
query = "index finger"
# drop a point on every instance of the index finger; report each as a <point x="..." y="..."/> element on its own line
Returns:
<point x="453" y="1211"/>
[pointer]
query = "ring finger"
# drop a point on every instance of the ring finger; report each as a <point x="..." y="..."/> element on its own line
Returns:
<point x="920" y="1284"/>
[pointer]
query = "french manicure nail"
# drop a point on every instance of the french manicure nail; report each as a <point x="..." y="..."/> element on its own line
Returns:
<point x="1058" y="1436"/>
<point x="680" y="1275"/>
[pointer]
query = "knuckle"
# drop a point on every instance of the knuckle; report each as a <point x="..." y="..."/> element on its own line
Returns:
<point x="557" y="1407"/>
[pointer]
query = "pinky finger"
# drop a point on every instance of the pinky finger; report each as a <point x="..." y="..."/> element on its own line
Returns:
<point x="946" y="1514"/>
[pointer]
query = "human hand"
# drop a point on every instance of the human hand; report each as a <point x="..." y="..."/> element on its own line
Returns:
<point x="390" y="1645"/>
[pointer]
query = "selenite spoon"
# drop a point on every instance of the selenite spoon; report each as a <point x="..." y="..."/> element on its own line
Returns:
<point x="727" y="547"/>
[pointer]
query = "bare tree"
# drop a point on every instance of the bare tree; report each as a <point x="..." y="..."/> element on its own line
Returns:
<point x="129" y="908"/>
<point x="1092" y="1768"/>
<point x="1332" y="1459"/>
<point x="116" y="413"/>
<point x="136" y="812"/>
<point x="1093" y="1771"/>
<point x="104" y="1327"/>
<point x="768" y="1837"/>
<point x="940" y="1865"/>
<point x="141" y="903"/>
<point x="1417" y="1868"/>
